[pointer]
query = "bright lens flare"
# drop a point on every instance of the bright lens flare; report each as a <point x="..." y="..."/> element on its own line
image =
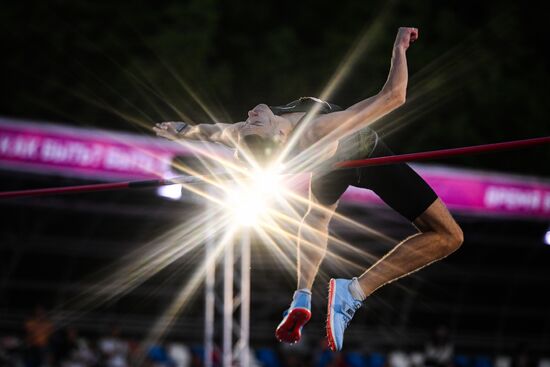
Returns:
<point x="247" y="207"/>
<point x="250" y="201"/>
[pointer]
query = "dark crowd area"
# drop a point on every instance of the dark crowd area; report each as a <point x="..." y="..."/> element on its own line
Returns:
<point x="42" y="343"/>
<point x="478" y="73"/>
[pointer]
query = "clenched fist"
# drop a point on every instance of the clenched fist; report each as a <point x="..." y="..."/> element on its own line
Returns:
<point x="405" y="37"/>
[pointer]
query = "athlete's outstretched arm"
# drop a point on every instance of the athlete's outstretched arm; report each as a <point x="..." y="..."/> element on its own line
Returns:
<point x="216" y="133"/>
<point x="392" y="95"/>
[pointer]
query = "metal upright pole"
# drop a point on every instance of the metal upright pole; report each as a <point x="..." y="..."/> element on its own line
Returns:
<point x="209" y="301"/>
<point x="228" y="305"/>
<point x="245" y="299"/>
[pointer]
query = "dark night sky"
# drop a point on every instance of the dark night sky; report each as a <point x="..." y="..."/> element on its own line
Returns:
<point x="478" y="73"/>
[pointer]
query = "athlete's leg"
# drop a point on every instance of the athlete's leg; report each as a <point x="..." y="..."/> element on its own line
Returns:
<point x="439" y="236"/>
<point x="325" y="190"/>
<point x="408" y="194"/>
<point x="312" y="241"/>
<point x="324" y="193"/>
<point x="312" y="245"/>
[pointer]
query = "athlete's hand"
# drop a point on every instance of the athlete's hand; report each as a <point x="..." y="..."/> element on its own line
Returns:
<point x="405" y="37"/>
<point x="170" y="130"/>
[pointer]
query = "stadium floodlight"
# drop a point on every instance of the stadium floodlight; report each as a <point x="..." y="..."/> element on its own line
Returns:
<point x="172" y="192"/>
<point x="547" y="237"/>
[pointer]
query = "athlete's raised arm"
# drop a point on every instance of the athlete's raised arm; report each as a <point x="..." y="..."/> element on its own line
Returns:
<point x="335" y="125"/>
<point x="216" y="133"/>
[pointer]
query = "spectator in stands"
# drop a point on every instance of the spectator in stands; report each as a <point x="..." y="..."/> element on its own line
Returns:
<point x="180" y="354"/>
<point x="62" y="343"/>
<point x="439" y="350"/>
<point x="10" y="351"/>
<point x="113" y="349"/>
<point x="38" y="330"/>
<point x="523" y="357"/>
<point x="324" y="357"/>
<point x="157" y="356"/>
<point x="398" y="358"/>
<point x="339" y="360"/>
<point x="73" y="351"/>
<point x="296" y="355"/>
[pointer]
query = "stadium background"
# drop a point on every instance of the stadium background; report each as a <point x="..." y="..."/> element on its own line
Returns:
<point x="478" y="75"/>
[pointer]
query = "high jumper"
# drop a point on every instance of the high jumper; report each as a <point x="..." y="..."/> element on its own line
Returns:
<point x="337" y="135"/>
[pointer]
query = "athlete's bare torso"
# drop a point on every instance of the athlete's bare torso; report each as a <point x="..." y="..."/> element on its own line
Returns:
<point x="324" y="152"/>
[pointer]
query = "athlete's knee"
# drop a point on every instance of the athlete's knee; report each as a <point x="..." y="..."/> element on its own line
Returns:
<point x="438" y="220"/>
<point x="452" y="237"/>
<point x="318" y="217"/>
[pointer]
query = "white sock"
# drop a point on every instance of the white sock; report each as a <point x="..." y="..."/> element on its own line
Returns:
<point x="302" y="290"/>
<point x="356" y="290"/>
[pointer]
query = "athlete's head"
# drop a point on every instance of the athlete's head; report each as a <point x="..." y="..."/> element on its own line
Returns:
<point x="263" y="122"/>
<point x="263" y="133"/>
<point x="267" y="129"/>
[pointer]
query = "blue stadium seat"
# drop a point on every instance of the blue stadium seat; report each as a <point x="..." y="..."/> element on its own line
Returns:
<point x="268" y="357"/>
<point x="325" y="359"/>
<point x="355" y="359"/>
<point x="376" y="360"/>
<point x="482" y="361"/>
<point x="198" y="350"/>
<point x="158" y="354"/>
<point x="461" y="361"/>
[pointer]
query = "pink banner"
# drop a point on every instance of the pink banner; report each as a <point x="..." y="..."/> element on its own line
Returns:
<point x="48" y="148"/>
<point x="478" y="192"/>
<point x="83" y="152"/>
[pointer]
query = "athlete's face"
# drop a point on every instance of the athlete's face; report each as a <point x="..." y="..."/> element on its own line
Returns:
<point x="261" y="121"/>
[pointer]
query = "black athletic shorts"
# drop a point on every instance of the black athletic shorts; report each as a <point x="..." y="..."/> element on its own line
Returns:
<point x="398" y="185"/>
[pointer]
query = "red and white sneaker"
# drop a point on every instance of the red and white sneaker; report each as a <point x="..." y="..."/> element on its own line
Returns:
<point x="294" y="319"/>
<point x="341" y="308"/>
